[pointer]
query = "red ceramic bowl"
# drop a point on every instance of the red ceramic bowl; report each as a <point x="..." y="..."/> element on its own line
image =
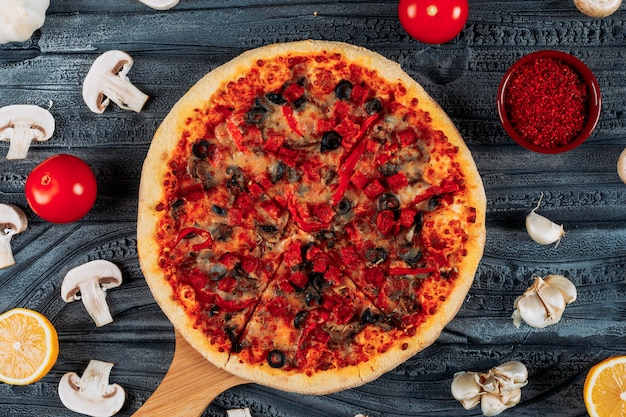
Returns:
<point x="594" y="103"/>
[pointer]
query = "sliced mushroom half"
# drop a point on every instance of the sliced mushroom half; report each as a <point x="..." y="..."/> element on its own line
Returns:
<point x="91" y="394"/>
<point x="106" y="81"/>
<point x="160" y="4"/>
<point x="90" y="282"/>
<point x="13" y="221"/>
<point x="21" y="124"/>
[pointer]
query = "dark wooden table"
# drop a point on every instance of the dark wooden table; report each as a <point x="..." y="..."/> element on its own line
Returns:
<point x="173" y="49"/>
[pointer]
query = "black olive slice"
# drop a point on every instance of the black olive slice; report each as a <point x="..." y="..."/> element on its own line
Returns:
<point x="330" y="141"/>
<point x="256" y="115"/>
<point x="388" y="169"/>
<point x="368" y="317"/>
<point x="276" y="98"/>
<point x="220" y="211"/>
<point x="373" y="106"/>
<point x="298" y="320"/>
<point x="276" y="359"/>
<point x="433" y="203"/>
<point x="412" y="257"/>
<point x="388" y="201"/>
<point x="343" y="90"/>
<point x="277" y="171"/>
<point x="201" y="148"/>
<point x="343" y="207"/>
<point x="376" y="255"/>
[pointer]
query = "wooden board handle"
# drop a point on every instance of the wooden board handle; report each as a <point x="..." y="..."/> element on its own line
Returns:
<point x="189" y="386"/>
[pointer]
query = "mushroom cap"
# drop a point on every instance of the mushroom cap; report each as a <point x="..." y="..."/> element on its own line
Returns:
<point x="110" y="63"/>
<point x="40" y="120"/>
<point x="105" y="272"/>
<point x="14" y="217"/>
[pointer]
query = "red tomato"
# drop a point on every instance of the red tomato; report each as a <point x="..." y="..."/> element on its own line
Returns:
<point x="61" y="189"/>
<point x="433" y="21"/>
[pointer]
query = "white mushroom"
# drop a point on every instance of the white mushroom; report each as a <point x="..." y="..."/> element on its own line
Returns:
<point x="90" y="282"/>
<point x="13" y="221"/>
<point x="19" y="19"/>
<point x="20" y="124"/>
<point x="160" y="4"/>
<point x="91" y="394"/>
<point x="598" y="8"/>
<point x="239" y="412"/>
<point x="106" y="81"/>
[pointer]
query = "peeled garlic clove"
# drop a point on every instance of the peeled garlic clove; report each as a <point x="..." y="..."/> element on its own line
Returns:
<point x="552" y="299"/>
<point x="491" y="405"/>
<point x="567" y="287"/>
<point x="543" y="230"/>
<point x="532" y="310"/>
<point x="512" y="373"/>
<point x="466" y="390"/>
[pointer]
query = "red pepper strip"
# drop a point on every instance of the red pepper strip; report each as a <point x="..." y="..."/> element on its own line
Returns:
<point x="291" y="120"/>
<point x="349" y="164"/>
<point x="410" y="271"/>
<point x="446" y="187"/>
<point x="196" y="231"/>
<point x="236" y="134"/>
<point x="304" y="225"/>
<point x="230" y="306"/>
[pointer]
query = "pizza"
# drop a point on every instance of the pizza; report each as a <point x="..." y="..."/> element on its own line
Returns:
<point x="309" y="217"/>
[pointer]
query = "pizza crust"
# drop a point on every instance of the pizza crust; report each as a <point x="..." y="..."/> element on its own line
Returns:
<point x="151" y="193"/>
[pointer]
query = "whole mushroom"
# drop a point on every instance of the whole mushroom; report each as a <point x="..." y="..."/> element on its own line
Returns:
<point x="20" y="124"/>
<point x="13" y="221"/>
<point x="89" y="282"/>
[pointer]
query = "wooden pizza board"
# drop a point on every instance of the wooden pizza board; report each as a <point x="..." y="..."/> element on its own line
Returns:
<point x="189" y="386"/>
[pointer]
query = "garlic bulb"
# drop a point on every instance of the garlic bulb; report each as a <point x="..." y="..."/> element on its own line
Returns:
<point x="543" y="303"/>
<point x="19" y="19"/>
<point x="496" y="390"/>
<point x="541" y="229"/>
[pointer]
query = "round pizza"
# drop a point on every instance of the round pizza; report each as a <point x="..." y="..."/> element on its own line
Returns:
<point x="309" y="218"/>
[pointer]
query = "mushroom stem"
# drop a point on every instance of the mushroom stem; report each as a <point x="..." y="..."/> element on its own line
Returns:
<point x="6" y="254"/>
<point x="91" y="394"/>
<point x="94" y="299"/>
<point x="95" y="379"/>
<point x="21" y="138"/>
<point x="121" y="91"/>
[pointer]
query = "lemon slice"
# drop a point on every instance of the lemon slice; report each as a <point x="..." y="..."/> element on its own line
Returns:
<point x="29" y="346"/>
<point x="605" y="388"/>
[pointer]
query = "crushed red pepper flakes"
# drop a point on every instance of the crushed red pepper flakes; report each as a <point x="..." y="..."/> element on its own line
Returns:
<point x="547" y="102"/>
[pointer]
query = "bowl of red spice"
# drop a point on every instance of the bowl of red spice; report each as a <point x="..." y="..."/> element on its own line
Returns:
<point x="549" y="101"/>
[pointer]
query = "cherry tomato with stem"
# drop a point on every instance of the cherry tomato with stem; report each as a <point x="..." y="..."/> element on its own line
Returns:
<point x="61" y="189"/>
<point x="433" y="21"/>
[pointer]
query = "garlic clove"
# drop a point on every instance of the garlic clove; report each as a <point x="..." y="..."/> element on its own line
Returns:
<point x="552" y="299"/>
<point x="466" y="389"/>
<point x="531" y="310"/>
<point x="542" y="230"/>
<point x="488" y="382"/>
<point x="514" y="372"/>
<point x="567" y="287"/>
<point x="491" y="405"/>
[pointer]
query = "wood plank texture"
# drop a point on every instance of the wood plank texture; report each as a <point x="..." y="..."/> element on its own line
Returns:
<point x="173" y="49"/>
